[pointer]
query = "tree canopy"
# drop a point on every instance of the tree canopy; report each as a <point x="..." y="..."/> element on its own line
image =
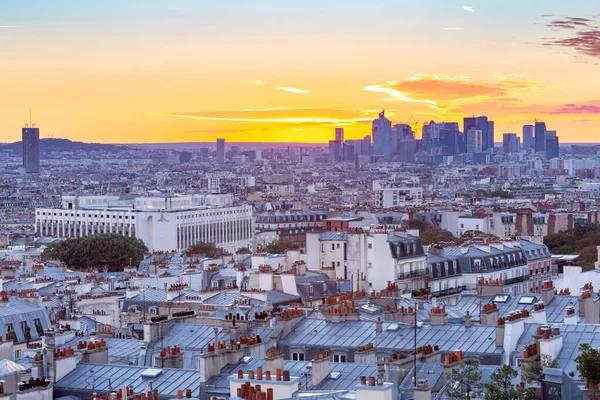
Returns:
<point x="533" y="371"/>
<point x="588" y="365"/>
<point x="581" y="240"/>
<point x="435" y="235"/>
<point x="109" y="250"/>
<point x="474" y="234"/>
<point x="464" y="382"/>
<point x="206" y="249"/>
<point x="279" y="246"/>
<point x="501" y="387"/>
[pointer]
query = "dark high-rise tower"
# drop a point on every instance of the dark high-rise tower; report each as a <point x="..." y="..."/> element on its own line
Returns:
<point x="31" y="149"/>
<point x="528" y="137"/>
<point x="220" y="151"/>
<point x="540" y="136"/>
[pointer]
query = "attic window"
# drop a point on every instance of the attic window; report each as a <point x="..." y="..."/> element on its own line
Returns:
<point x="527" y="300"/>
<point x="500" y="299"/>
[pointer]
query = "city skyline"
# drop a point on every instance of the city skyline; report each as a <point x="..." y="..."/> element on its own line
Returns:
<point x="184" y="72"/>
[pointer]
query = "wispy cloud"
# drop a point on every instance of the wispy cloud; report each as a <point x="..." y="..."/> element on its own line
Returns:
<point x="9" y="26"/>
<point x="276" y="109"/>
<point x="293" y="90"/>
<point x="590" y="107"/>
<point x="583" y="36"/>
<point x="453" y="29"/>
<point x="258" y="82"/>
<point x="468" y="8"/>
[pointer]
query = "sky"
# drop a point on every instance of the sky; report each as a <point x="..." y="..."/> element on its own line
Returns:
<point x="291" y="71"/>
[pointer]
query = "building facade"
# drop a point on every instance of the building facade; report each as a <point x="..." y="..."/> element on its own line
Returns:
<point x="163" y="224"/>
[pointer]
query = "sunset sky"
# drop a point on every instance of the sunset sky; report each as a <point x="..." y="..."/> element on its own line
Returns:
<point x="286" y="70"/>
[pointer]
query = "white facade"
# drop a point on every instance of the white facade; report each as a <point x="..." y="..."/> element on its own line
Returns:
<point x="164" y="224"/>
<point x="397" y="197"/>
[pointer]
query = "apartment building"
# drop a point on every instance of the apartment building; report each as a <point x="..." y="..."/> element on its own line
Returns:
<point x="163" y="223"/>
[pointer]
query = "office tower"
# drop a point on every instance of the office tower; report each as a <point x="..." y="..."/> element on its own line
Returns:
<point x="185" y="157"/>
<point x="510" y="143"/>
<point x="339" y="135"/>
<point x="220" y="151"/>
<point x="382" y="136"/>
<point x="474" y="141"/>
<point x="31" y="149"/>
<point x="489" y="137"/>
<point x="483" y="125"/>
<point x="540" y="136"/>
<point x="366" y="145"/>
<point x="334" y="151"/>
<point x="528" y="137"/>
<point x="468" y="123"/>
<point x="449" y="141"/>
<point x="406" y="150"/>
<point x="551" y="145"/>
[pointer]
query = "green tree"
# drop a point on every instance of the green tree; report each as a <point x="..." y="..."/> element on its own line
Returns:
<point x="474" y="234"/>
<point x="435" y="235"/>
<point x="533" y="371"/>
<point x="501" y="387"/>
<point x="109" y="250"/>
<point x="588" y="365"/>
<point x="206" y="249"/>
<point x="279" y="246"/>
<point x="418" y="224"/>
<point x="560" y="240"/>
<point x="464" y="382"/>
<point x="587" y="257"/>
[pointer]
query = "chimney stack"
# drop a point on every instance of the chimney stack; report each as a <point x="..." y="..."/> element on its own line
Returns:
<point x="422" y="390"/>
<point x="547" y="291"/>
<point x="468" y="322"/>
<point x="321" y="367"/>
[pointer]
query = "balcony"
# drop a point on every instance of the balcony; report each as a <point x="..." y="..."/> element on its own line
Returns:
<point x="447" y="292"/>
<point x="518" y="279"/>
<point x="413" y="274"/>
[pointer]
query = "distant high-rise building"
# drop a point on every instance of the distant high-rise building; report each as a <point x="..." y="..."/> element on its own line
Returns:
<point x="366" y="145"/>
<point x="474" y="141"/>
<point x="540" y="136"/>
<point x="31" y="149"/>
<point x="488" y="139"/>
<point x="334" y="151"/>
<point x="406" y="150"/>
<point x="382" y="136"/>
<point x="449" y="141"/>
<point x="468" y="123"/>
<point x="510" y="143"/>
<point x="339" y="135"/>
<point x="551" y="145"/>
<point x="220" y="151"/>
<point x="185" y="157"/>
<point x="528" y="142"/>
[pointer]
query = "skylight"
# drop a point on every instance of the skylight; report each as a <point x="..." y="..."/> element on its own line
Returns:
<point x="151" y="373"/>
<point x="500" y="299"/>
<point x="527" y="300"/>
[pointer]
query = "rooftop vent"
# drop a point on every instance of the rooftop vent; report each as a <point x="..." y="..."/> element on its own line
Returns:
<point x="151" y="373"/>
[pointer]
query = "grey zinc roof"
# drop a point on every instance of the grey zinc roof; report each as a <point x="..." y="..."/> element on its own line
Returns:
<point x="350" y="334"/>
<point x="17" y="311"/>
<point x="573" y="336"/>
<point x="325" y="236"/>
<point x="350" y="374"/>
<point x="120" y="351"/>
<point x="87" y="378"/>
<point x="555" y="309"/>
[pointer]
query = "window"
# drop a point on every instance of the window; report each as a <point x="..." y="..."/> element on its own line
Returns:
<point x="339" y="358"/>
<point x="337" y="246"/>
<point x="333" y="247"/>
<point x="298" y="356"/>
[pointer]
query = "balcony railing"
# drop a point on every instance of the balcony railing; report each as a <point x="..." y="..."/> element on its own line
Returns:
<point x="413" y="274"/>
<point x="515" y="280"/>
<point x="447" y="292"/>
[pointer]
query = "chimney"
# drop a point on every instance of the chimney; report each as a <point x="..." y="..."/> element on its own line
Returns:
<point x="551" y="344"/>
<point x="452" y="361"/>
<point x="93" y="352"/>
<point x="489" y="314"/>
<point x="438" y="315"/>
<point x="500" y="333"/>
<point x="365" y="354"/>
<point x="468" y="322"/>
<point x="37" y="366"/>
<point x="588" y="308"/>
<point x="547" y="291"/>
<point x="368" y="389"/>
<point x="422" y="390"/>
<point x="571" y="317"/>
<point x="379" y="325"/>
<point x="321" y="367"/>
<point x="421" y="305"/>
<point x="274" y="360"/>
<point x="170" y="357"/>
